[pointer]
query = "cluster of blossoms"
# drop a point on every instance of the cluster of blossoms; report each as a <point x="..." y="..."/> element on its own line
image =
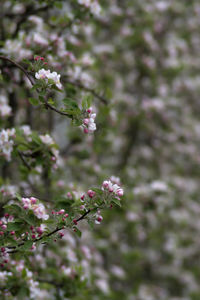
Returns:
<point x="93" y="5"/>
<point x="88" y="123"/>
<point x="37" y="231"/>
<point x="35" y="291"/>
<point x="113" y="187"/>
<point x="16" y="48"/>
<point x="40" y="58"/>
<point x="37" y="208"/>
<point x="5" y="109"/>
<point x="6" y="142"/>
<point x="4" y="221"/>
<point x="99" y="217"/>
<point x="8" y="190"/>
<point x="48" y="75"/>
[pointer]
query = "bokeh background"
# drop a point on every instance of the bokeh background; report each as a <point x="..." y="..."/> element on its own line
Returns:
<point x="142" y="57"/>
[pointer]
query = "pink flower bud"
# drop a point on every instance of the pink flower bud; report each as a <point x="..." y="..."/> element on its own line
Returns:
<point x="61" y="234"/>
<point x="86" y="121"/>
<point x="3" y="249"/>
<point x="89" y="110"/>
<point x="6" y="215"/>
<point x="61" y="212"/>
<point x="25" y="206"/>
<point x="1" y="233"/>
<point x="75" y="222"/>
<point x="83" y="197"/>
<point x="105" y="184"/>
<point x="86" y="130"/>
<point x="53" y="158"/>
<point x="100" y="218"/>
<point x="33" y="236"/>
<point x="39" y="230"/>
<point x="66" y="215"/>
<point x="4" y="227"/>
<point x="12" y="232"/>
<point x="91" y="193"/>
<point x="120" y="192"/>
<point x="33" y="200"/>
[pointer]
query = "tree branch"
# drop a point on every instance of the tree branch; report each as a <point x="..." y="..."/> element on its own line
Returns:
<point x="23" y="160"/>
<point x="47" y="235"/>
<point x="83" y="87"/>
<point x="19" y="67"/>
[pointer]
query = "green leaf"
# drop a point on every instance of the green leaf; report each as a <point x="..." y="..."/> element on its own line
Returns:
<point x="26" y="61"/>
<point x="10" y="241"/>
<point x="36" y="86"/>
<point x="18" y="197"/>
<point x="13" y="209"/>
<point x="97" y="191"/>
<point x="27" y="245"/>
<point x="116" y="202"/>
<point x="87" y="101"/>
<point x="70" y="104"/>
<point x="14" y="226"/>
<point x="33" y="101"/>
<point x="77" y="122"/>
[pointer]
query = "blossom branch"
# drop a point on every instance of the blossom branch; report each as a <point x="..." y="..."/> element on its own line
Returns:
<point x="47" y="105"/>
<point x="47" y="235"/>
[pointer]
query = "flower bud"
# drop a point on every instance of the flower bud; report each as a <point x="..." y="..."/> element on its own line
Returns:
<point x="86" y="121"/>
<point x="91" y="193"/>
<point x="86" y="130"/>
<point x="4" y="227"/>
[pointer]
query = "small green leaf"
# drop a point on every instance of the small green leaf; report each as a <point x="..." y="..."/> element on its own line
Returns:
<point x="116" y="202"/>
<point x="13" y="209"/>
<point x="14" y="226"/>
<point x="97" y="191"/>
<point x="87" y="101"/>
<point x="33" y="101"/>
<point x="27" y="245"/>
<point x="70" y="104"/>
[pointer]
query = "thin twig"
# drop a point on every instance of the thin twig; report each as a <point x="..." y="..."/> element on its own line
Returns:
<point x="23" y="160"/>
<point x="83" y="87"/>
<point x="18" y="66"/>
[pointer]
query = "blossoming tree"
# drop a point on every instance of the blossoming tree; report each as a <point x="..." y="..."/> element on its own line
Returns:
<point x="90" y="92"/>
<point x="40" y="206"/>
